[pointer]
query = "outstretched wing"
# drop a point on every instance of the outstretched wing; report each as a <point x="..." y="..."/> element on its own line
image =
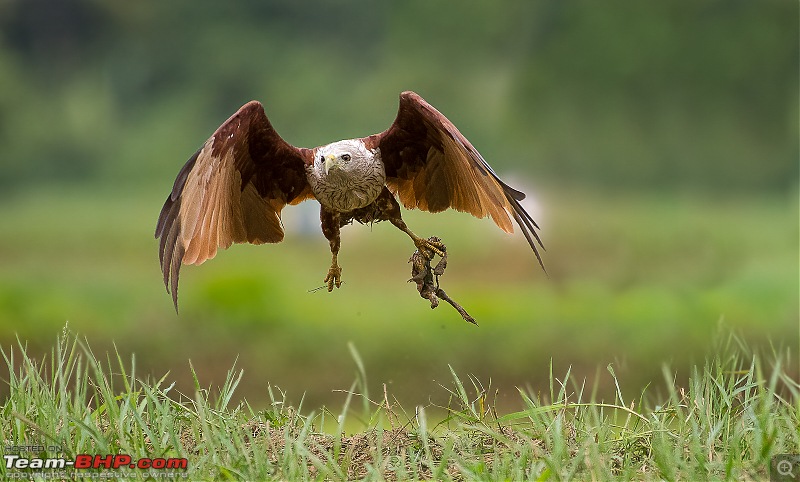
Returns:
<point x="431" y="166"/>
<point x="230" y="191"/>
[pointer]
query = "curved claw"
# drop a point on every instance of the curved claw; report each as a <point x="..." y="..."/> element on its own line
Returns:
<point x="433" y="244"/>
<point x="334" y="278"/>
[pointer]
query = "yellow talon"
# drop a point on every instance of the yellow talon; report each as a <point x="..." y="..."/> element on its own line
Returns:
<point x="334" y="277"/>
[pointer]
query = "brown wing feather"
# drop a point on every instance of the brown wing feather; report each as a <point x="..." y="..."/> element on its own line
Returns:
<point x="230" y="191"/>
<point x="431" y="166"/>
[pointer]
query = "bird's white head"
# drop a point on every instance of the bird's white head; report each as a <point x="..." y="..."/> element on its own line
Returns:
<point x="346" y="175"/>
<point x="343" y="157"/>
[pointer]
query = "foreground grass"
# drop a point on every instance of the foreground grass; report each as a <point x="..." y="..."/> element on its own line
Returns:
<point x="737" y="411"/>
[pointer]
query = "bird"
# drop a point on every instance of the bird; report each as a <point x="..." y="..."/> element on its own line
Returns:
<point x="233" y="189"/>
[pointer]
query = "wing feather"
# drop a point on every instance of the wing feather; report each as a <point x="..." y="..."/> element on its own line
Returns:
<point x="230" y="191"/>
<point x="431" y="166"/>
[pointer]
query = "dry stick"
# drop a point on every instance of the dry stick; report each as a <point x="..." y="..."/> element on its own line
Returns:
<point x="389" y="412"/>
<point x="441" y="294"/>
<point x="427" y="279"/>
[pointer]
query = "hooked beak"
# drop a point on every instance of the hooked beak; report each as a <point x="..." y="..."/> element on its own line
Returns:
<point x="330" y="161"/>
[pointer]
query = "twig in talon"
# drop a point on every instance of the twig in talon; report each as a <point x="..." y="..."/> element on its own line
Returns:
<point x="438" y="270"/>
<point x="440" y="292"/>
<point x="427" y="278"/>
<point x="419" y="270"/>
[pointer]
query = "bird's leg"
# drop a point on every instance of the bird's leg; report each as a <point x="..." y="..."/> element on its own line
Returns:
<point x="390" y="210"/>
<point x="334" y="276"/>
<point x="330" y="228"/>
<point x="427" y="247"/>
<point x="422" y="273"/>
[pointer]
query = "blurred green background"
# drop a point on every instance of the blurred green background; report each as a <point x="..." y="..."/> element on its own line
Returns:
<point x="658" y="143"/>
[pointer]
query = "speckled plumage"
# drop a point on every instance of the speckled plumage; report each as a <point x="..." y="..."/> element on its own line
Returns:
<point x="354" y="184"/>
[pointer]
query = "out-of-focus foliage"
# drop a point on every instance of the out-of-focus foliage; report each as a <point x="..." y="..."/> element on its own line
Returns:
<point x="619" y="93"/>
<point x="635" y="281"/>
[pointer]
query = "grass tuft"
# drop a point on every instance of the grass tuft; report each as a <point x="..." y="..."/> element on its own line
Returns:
<point x="738" y="410"/>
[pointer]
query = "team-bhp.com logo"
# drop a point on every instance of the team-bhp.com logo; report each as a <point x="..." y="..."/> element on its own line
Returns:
<point x="89" y="461"/>
<point x="86" y="461"/>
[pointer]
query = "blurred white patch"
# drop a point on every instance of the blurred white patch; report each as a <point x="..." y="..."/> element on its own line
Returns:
<point x="531" y="202"/>
<point x="302" y="220"/>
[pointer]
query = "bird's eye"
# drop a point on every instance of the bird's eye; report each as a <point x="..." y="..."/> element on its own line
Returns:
<point x="345" y="157"/>
<point x="321" y="158"/>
